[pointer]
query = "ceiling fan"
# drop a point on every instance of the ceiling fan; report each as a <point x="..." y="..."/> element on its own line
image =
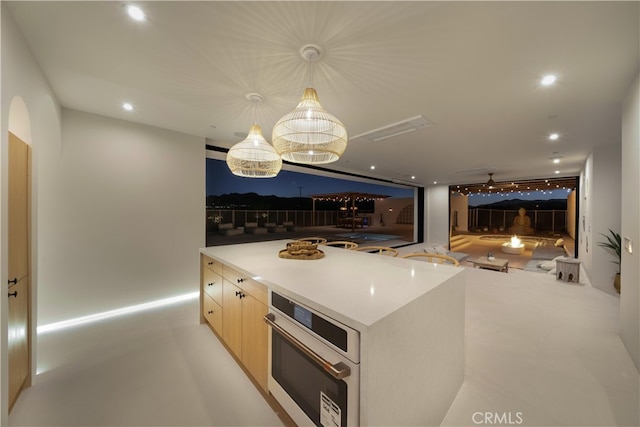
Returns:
<point x="491" y="182"/>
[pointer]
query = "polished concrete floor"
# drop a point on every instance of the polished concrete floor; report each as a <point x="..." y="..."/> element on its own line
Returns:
<point x="538" y="353"/>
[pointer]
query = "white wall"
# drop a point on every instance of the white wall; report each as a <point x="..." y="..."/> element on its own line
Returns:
<point x="21" y="79"/>
<point x="460" y="204"/>
<point x="630" y="283"/>
<point x="599" y="212"/>
<point x="122" y="216"/>
<point x="436" y="222"/>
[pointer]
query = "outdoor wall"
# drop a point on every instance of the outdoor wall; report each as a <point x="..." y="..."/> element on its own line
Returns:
<point x="123" y="216"/>
<point x="29" y="109"/>
<point x="396" y="204"/>
<point x="630" y="275"/>
<point x="436" y="223"/>
<point x="460" y="204"/>
<point x="571" y="214"/>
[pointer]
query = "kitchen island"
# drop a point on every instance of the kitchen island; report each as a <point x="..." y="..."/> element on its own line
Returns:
<point x="409" y="315"/>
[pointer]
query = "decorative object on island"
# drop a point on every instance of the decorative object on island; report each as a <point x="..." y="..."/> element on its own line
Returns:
<point x="254" y="157"/>
<point x="309" y="134"/>
<point x="301" y="249"/>
<point x="568" y="270"/>
<point x="490" y="257"/>
<point x="614" y="245"/>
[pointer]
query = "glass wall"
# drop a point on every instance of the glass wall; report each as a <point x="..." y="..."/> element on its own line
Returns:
<point x="302" y="202"/>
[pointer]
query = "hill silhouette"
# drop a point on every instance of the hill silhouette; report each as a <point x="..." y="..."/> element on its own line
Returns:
<point x="254" y="201"/>
<point x="515" y="204"/>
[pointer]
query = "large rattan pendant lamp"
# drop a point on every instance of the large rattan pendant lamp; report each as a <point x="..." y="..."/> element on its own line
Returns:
<point x="254" y="157"/>
<point x="309" y="134"/>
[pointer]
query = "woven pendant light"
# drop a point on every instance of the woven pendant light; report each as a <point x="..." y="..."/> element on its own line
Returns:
<point x="254" y="157"/>
<point x="309" y="134"/>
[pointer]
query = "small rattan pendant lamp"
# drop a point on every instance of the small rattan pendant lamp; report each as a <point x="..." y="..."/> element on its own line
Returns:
<point x="254" y="157"/>
<point x="309" y="134"/>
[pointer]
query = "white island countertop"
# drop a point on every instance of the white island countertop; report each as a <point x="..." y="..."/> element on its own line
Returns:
<point x="409" y="314"/>
<point x="356" y="288"/>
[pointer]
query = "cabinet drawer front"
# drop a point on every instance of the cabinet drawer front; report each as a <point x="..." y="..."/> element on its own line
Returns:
<point x="212" y="284"/>
<point x="211" y="264"/>
<point x="213" y="314"/>
<point x="244" y="282"/>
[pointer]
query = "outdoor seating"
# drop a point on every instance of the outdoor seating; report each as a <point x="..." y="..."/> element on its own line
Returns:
<point x="228" y="229"/>
<point x="273" y="228"/>
<point x="434" y="258"/>
<point x="289" y="225"/>
<point x="379" y="250"/>
<point x="342" y="244"/>
<point x="252" y="228"/>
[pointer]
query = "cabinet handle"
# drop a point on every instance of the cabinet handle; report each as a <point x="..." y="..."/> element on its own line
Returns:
<point x="210" y="263"/>
<point x="210" y="312"/>
<point x="13" y="282"/>
<point x="242" y="295"/>
<point x="240" y="280"/>
<point x="211" y="284"/>
<point x="13" y="294"/>
<point x="237" y="293"/>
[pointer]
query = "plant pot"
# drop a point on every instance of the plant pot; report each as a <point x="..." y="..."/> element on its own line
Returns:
<point x="616" y="282"/>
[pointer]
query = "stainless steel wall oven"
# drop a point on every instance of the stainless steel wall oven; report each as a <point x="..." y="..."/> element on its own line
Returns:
<point x="314" y="364"/>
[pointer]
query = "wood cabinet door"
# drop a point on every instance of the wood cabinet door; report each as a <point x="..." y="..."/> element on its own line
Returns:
<point x="213" y="313"/>
<point x="18" y="269"/>
<point x="232" y="317"/>
<point x="212" y="284"/>
<point x="18" y="214"/>
<point x="255" y="335"/>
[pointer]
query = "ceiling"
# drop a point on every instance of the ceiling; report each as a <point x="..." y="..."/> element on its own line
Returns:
<point x="472" y="69"/>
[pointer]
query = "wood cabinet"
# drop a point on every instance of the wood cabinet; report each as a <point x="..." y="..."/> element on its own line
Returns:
<point x="19" y="216"/>
<point x="235" y="305"/>
<point x="212" y="312"/>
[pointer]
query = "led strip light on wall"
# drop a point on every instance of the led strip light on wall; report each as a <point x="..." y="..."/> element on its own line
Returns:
<point x="78" y="321"/>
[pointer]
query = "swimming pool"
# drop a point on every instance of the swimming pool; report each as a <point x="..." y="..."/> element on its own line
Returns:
<point x="368" y="236"/>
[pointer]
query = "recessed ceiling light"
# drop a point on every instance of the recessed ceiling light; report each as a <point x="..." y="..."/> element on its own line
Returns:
<point x="372" y="167"/>
<point x="556" y="161"/>
<point x="548" y="80"/>
<point x="136" y="13"/>
<point x="127" y="106"/>
<point x="557" y="172"/>
<point x="435" y="182"/>
<point x="413" y="177"/>
<point x="554" y="136"/>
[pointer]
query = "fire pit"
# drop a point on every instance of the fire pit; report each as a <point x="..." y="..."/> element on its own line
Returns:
<point x="514" y="247"/>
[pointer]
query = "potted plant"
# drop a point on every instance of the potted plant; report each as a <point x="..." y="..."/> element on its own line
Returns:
<point x="614" y="244"/>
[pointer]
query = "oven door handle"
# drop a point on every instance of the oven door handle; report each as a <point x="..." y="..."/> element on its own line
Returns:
<point x="338" y="370"/>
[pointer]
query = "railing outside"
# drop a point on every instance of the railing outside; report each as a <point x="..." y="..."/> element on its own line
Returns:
<point x="541" y="220"/>
<point x="300" y="218"/>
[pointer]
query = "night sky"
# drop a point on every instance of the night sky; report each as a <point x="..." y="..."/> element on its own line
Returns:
<point x="220" y="181"/>
<point x="485" y="199"/>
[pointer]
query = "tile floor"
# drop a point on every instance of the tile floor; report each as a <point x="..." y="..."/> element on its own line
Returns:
<point x="538" y="351"/>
